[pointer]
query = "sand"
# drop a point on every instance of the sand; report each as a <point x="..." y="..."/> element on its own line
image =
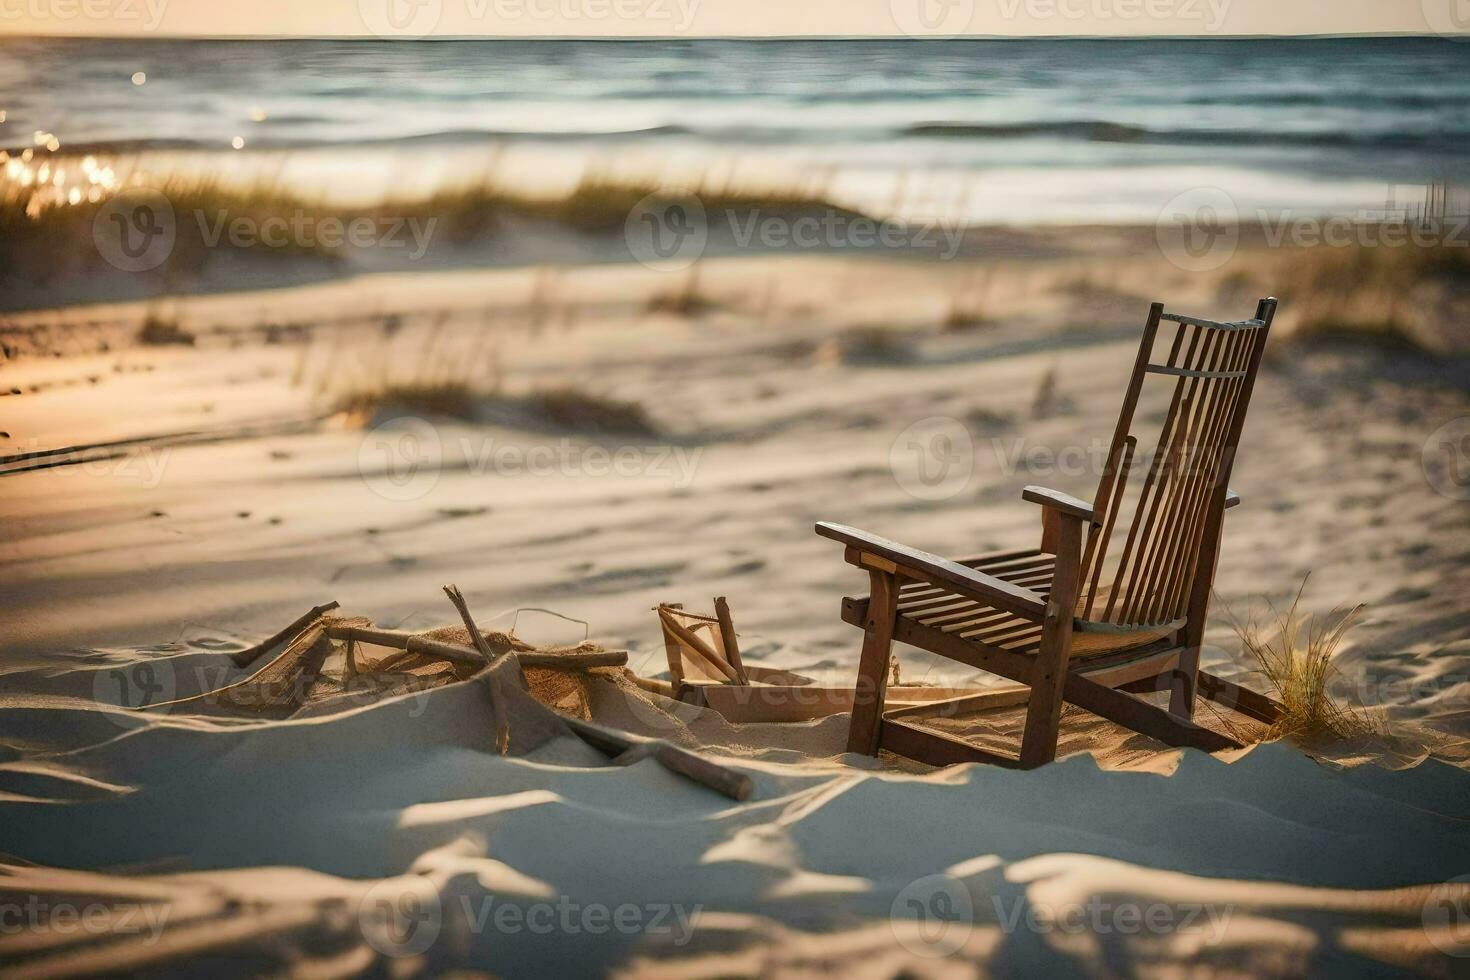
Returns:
<point x="272" y="845"/>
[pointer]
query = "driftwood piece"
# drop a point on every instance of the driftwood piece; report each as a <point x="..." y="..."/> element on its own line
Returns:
<point x="248" y="656"/>
<point x="625" y="749"/>
<point x="728" y="638"/>
<point x="415" y="643"/>
<point x="502" y="732"/>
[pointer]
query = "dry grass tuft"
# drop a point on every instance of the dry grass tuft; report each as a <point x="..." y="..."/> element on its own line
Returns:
<point x="446" y="399"/>
<point x="1294" y="652"/>
<point x="872" y="346"/>
<point x="1398" y="298"/>
<point x="686" y="299"/>
<point x="572" y="408"/>
<point x="158" y="332"/>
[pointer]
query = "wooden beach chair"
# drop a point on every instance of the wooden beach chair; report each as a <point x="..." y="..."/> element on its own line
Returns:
<point x="1114" y="600"/>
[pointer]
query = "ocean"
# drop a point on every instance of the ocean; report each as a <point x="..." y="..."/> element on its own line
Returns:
<point x="988" y="130"/>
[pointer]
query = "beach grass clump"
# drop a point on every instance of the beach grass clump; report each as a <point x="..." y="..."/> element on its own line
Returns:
<point x="563" y="408"/>
<point x="686" y="299"/>
<point x="571" y="408"/>
<point x="963" y="316"/>
<point x="876" y="345"/>
<point x="443" y="399"/>
<point x="158" y="332"/>
<point x="1294" y="653"/>
<point x="44" y="235"/>
<point x="1391" y="297"/>
<point x="48" y="230"/>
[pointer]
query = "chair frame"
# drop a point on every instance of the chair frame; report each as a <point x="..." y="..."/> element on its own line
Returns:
<point x="1104" y="685"/>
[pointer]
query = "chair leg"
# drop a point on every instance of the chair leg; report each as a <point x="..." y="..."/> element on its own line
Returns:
<point x="872" y="683"/>
<point x="1044" y="709"/>
<point x="1186" y="676"/>
<point x="1184" y="681"/>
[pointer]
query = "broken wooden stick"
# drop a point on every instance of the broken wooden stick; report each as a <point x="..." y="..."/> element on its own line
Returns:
<point x="502" y="732"/>
<point x="248" y="656"/>
<point x="625" y="749"/>
<point x="728" y="639"/>
<point x="415" y="643"/>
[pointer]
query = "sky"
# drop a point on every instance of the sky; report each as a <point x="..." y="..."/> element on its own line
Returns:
<point x="702" y="18"/>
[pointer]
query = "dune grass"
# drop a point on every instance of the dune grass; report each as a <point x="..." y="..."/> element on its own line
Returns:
<point x="562" y="408"/>
<point x="158" y="332"/>
<point x="574" y="409"/>
<point x="444" y="399"/>
<point x="1294" y="653"/>
<point x="43" y="234"/>
<point x="875" y="345"/>
<point x="1391" y="297"/>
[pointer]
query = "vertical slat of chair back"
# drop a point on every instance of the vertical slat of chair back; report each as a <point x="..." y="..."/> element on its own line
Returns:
<point x="1141" y="574"/>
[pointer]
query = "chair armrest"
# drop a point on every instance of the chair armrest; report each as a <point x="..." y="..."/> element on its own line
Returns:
<point x="1231" y="499"/>
<point x="922" y="566"/>
<point x="1056" y="500"/>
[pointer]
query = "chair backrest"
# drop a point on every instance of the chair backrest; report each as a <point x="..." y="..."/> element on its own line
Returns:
<point x="1144" y="548"/>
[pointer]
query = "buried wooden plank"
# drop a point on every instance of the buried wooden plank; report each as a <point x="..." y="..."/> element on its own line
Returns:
<point x="935" y="748"/>
<point x="1142" y="717"/>
<point x="1110" y="671"/>
<point x="625" y="749"/>
<point x="778" y="703"/>
<point x="1242" y="699"/>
